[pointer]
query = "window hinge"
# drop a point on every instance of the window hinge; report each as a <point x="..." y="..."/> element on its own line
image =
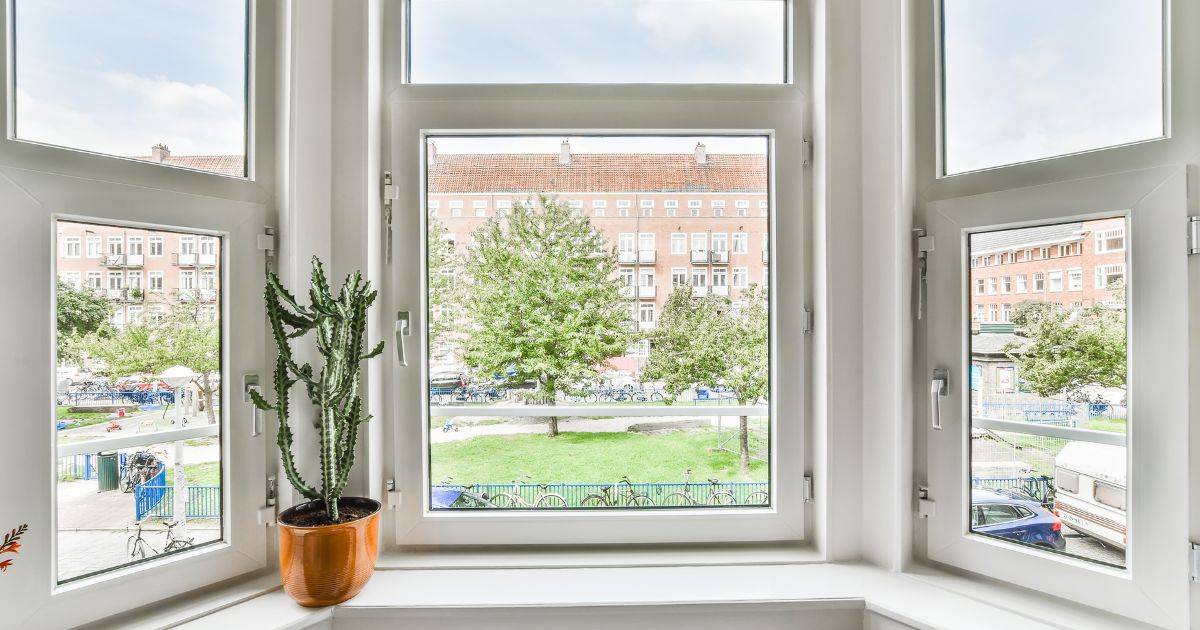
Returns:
<point x="808" y="489"/>
<point x="806" y="148"/>
<point x="266" y="513"/>
<point x="391" y="193"/>
<point x="925" y="506"/>
<point x="1193" y="236"/>
<point x="1195" y="561"/>
<point x="266" y="244"/>
<point x="393" y="495"/>
<point x="808" y="324"/>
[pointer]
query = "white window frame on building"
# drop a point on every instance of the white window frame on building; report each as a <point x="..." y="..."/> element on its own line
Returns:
<point x="480" y="207"/>
<point x="1147" y="184"/>
<point x="432" y="208"/>
<point x="456" y="208"/>
<point x="741" y="277"/>
<point x="151" y="278"/>
<point x="94" y="246"/>
<point x="679" y="243"/>
<point x="743" y="207"/>
<point x="1075" y="279"/>
<point x="154" y="247"/>
<point x="741" y="242"/>
<point x="1111" y="240"/>
<point x="694" y="206"/>
<point x="94" y="280"/>
<point x="1104" y="273"/>
<point x="672" y="207"/>
<point x="73" y="279"/>
<point x="718" y="207"/>
<point x="72" y="246"/>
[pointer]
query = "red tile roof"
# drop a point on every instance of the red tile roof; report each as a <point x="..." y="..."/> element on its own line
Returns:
<point x="596" y="172"/>
<point x="233" y="165"/>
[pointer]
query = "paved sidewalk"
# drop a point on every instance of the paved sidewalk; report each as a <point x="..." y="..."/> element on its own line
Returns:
<point x="466" y="430"/>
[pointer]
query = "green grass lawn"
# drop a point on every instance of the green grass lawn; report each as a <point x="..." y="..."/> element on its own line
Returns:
<point x="593" y="458"/>
<point x="206" y="474"/>
<point x="1104" y="423"/>
<point x="84" y="418"/>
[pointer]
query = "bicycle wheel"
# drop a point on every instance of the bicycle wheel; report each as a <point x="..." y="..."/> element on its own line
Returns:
<point x="639" y="500"/>
<point x="656" y="397"/>
<point x="758" y="498"/>
<point x="594" y="501"/>
<point x="551" y="501"/>
<point x="678" y="499"/>
<point x="721" y="497"/>
<point x="508" y="500"/>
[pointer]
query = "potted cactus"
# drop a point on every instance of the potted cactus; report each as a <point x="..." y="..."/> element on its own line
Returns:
<point x="327" y="545"/>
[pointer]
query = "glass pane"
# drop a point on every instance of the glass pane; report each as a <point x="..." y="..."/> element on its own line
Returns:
<point x="1048" y="386"/>
<point x="138" y="396"/>
<point x="1025" y="80"/>
<point x="598" y="41"/>
<point x="163" y="82"/>
<point x="580" y="360"/>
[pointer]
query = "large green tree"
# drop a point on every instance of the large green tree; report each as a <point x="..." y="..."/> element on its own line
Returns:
<point x="1070" y="351"/>
<point x="444" y="269"/>
<point x="80" y="313"/>
<point x="183" y="337"/>
<point x="707" y="342"/>
<point x="541" y="300"/>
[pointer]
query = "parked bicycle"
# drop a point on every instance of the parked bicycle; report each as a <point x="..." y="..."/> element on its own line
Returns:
<point x="610" y="496"/>
<point x="514" y="498"/>
<point x="448" y="495"/>
<point x="140" y="468"/>
<point x="176" y="542"/>
<point x="137" y="545"/>
<point x="716" y="496"/>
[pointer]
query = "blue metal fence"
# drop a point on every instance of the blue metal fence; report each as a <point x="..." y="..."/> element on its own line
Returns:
<point x="657" y="493"/>
<point x="83" y="466"/>
<point x="114" y="396"/>
<point x="202" y="501"/>
<point x="1040" y="488"/>
<point x="149" y="495"/>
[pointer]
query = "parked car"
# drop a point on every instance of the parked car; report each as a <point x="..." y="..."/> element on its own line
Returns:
<point x="1004" y="516"/>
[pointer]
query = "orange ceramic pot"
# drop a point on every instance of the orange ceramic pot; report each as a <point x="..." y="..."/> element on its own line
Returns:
<point x="324" y="565"/>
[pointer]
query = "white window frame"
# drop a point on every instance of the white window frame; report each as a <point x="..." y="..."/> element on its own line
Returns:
<point x="1075" y="279"/>
<point x="679" y="276"/>
<point x="740" y="243"/>
<point x="154" y="247"/>
<point x="1101" y="238"/>
<point x="740" y="278"/>
<point x="479" y="206"/>
<point x="679" y="243"/>
<point x="72" y="247"/>
<point x="138" y="195"/>
<point x="95" y="246"/>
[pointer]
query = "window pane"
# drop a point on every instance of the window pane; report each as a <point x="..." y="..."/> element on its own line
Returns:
<point x="598" y="41"/>
<point x="138" y="401"/>
<point x="1025" y="80"/>
<point x="1048" y="389"/>
<point x="583" y="361"/>
<point x="163" y="82"/>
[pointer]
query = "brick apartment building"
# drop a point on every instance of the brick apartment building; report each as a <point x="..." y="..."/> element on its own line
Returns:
<point x="1071" y="264"/>
<point x="700" y="218"/>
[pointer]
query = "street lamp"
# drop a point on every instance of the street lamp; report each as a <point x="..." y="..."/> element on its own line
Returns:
<point x="178" y="376"/>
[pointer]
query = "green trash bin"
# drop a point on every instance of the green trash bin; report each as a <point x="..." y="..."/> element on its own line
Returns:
<point x="107" y="470"/>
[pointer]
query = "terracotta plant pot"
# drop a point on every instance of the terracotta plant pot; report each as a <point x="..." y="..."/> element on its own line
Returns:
<point x="324" y="565"/>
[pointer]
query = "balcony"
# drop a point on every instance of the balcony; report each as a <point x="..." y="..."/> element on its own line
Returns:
<point x="647" y="256"/>
<point x="183" y="260"/>
<point x="766" y="257"/>
<point x="114" y="260"/>
<point x="645" y="325"/>
<point x="627" y="291"/>
<point x="207" y="295"/>
<point x="647" y="293"/>
<point x="719" y="258"/>
<point x="134" y="260"/>
<point x="700" y="255"/>
<point x="185" y="295"/>
<point x="208" y="260"/>
<point x="115" y="294"/>
<point x="699" y="292"/>
<point x="627" y="258"/>
<point x="720" y="290"/>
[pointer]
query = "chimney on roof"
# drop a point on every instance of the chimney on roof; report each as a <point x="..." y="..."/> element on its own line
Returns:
<point x="432" y="153"/>
<point x="701" y="154"/>
<point x="159" y="152"/>
<point x="564" y="153"/>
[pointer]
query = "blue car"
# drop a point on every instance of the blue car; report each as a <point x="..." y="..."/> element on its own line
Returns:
<point x="1009" y="516"/>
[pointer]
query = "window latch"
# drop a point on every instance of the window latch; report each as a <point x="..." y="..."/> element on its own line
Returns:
<point x="924" y="246"/>
<point x="1195" y="561"/>
<point x="391" y="193"/>
<point x="925" y="506"/>
<point x="1193" y="236"/>
<point x="939" y="386"/>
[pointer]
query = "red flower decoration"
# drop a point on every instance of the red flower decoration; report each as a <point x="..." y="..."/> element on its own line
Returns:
<point x="4" y="565"/>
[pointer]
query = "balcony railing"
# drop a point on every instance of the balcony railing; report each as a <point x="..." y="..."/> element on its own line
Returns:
<point x="719" y="258"/>
<point x="647" y="256"/>
<point x="647" y="292"/>
<point x="115" y="294"/>
<point x="185" y="295"/>
<point x="627" y="291"/>
<point x="699" y="255"/>
<point x="627" y="257"/>
<point x="134" y="260"/>
<point x="699" y="291"/>
<point x="114" y="260"/>
<point x="183" y="260"/>
<point x="207" y="295"/>
<point x="645" y="325"/>
<point x="208" y="260"/>
<point x="720" y="290"/>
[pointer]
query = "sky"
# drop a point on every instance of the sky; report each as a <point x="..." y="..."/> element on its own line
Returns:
<point x="1024" y="79"/>
<point x="119" y="76"/>
<point x="1030" y="79"/>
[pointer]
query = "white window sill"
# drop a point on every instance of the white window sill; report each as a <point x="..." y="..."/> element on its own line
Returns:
<point x="470" y="582"/>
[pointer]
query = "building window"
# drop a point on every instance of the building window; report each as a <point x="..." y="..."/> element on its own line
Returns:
<point x="720" y="243"/>
<point x="626" y="242"/>
<point x="764" y="207"/>
<point x="678" y="243"/>
<point x="646" y="242"/>
<point x="480" y="207"/>
<point x="699" y="278"/>
<point x="135" y="245"/>
<point x="645" y="315"/>
<point x="647" y="207"/>
<point x="1006" y="284"/>
<point x="700" y="243"/>
<point x="432" y="207"/>
<point x="93" y="279"/>
<point x="1074" y="279"/>
<point x="156" y="246"/>
<point x="503" y="207"/>
<point x="991" y="286"/>
<point x="672" y="207"/>
<point x="978" y="312"/>
<point x="980" y="286"/>
<point x="1043" y="253"/>
<point x="1112" y="240"/>
<point x="154" y="281"/>
<point x="71" y="247"/>
<point x="93" y="246"/>
<point x="135" y="280"/>
<point x="576" y="206"/>
<point x="72" y="279"/>
<point x="1109" y="275"/>
<point x="116" y="246"/>
<point x="694" y="208"/>
<point x="718" y="208"/>
<point x="1039" y="281"/>
<point x="679" y="277"/>
<point x="741" y="242"/>
<point x="1021" y="288"/>
<point x="742" y="206"/>
<point x="1056" y="280"/>
<point x="456" y="208"/>
<point x="741" y="277"/>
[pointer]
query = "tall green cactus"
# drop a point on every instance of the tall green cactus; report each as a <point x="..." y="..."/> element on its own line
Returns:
<point x="340" y="323"/>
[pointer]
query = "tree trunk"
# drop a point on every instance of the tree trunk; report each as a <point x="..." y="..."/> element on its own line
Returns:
<point x="744" y="444"/>
<point x="553" y="431"/>
<point x="207" y="390"/>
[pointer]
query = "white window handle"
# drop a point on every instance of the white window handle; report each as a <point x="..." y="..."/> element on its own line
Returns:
<point x="402" y="331"/>
<point x="939" y="386"/>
